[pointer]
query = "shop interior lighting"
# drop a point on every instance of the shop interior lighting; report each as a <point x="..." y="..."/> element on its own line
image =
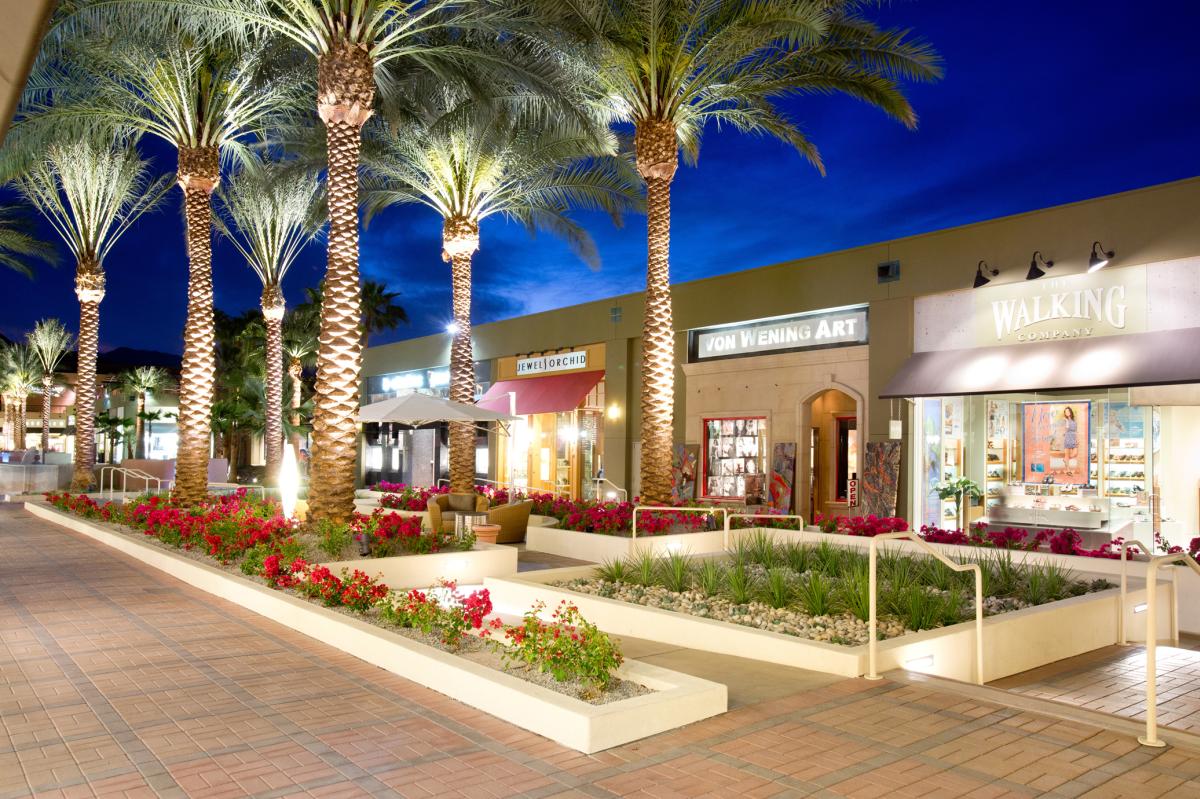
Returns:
<point x="981" y="274"/>
<point x="1099" y="257"/>
<point x="1036" y="271"/>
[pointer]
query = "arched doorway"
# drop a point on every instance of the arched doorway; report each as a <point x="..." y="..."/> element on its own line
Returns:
<point x="831" y="452"/>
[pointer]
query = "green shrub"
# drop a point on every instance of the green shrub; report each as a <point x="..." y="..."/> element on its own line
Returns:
<point x="711" y="576"/>
<point x="675" y="572"/>
<point x="941" y="576"/>
<point x="613" y="571"/>
<point x="815" y="594"/>
<point x="739" y="583"/>
<point x="827" y="559"/>
<point x="776" y="589"/>
<point x="761" y="549"/>
<point x="853" y="594"/>
<point x="643" y="569"/>
<point x="332" y="537"/>
<point x="900" y="571"/>
<point x="1007" y="575"/>
<point x="796" y="555"/>
<point x="919" y="608"/>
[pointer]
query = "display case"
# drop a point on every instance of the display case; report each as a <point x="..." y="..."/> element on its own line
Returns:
<point x="735" y="457"/>
<point x="1046" y="506"/>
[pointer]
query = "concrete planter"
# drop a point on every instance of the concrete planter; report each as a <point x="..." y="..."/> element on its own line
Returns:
<point x="1189" y="583"/>
<point x="598" y="547"/>
<point x="418" y="571"/>
<point x="1013" y="642"/>
<point x="677" y="699"/>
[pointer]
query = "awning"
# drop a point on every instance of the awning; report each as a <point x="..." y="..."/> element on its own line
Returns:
<point x="1140" y="359"/>
<point x="549" y="394"/>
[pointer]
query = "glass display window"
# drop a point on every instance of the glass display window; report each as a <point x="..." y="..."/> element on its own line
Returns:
<point x="735" y="459"/>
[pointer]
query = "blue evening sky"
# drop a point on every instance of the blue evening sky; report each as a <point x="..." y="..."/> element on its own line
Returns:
<point x="1044" y="102"/>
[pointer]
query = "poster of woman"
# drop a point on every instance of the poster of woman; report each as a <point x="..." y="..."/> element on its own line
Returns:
<point x="1057" y="442"/>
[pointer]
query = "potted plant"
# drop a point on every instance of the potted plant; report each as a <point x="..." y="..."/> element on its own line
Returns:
<point x="486" y="533"/>
<point x="959" y="490"/>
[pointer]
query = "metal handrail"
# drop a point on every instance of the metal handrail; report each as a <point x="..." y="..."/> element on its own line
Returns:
<point x="125" y="473"/>
<point x="620" y="491"/>
<point x="1151" y="736"/>
<point x="1125" y="545"/>
<point x="707" y="511"/>
<point x="873" y="624"/>
<point x="731" y="516"/>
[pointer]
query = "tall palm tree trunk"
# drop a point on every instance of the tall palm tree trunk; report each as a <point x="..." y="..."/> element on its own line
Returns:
<point x="22" y="420"/>
<point x="460" y="240"/>
<point x="47" y="396"/>
<point x="8" y="421"/>
<point x="657" y="159"/>
<point x="139" y="427"/>
<point x="89" y="288"/>
<point x="345" y="94"/>
<point x="272" y="308"/>
<point x="295" y="373"/>
<point x="199" y="173"/>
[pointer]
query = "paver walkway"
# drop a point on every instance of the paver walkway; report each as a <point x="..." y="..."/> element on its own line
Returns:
<point x="116" y="680"/>
<point x="1113" y="680"/>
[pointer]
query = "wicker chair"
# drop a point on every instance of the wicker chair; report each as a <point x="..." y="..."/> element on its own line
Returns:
<point x="441" y="516"/>
<point x="513" y="519"/>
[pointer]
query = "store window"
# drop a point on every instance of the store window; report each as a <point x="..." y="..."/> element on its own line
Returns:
<point x="735" y="458"/>
<point x="1095" y="462"/>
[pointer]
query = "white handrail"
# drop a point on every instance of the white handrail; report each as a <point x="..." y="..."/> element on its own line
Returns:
<point x="730" y="516"/>
<point x="873" y="624"/>
<point x="707" y="511"/>
<point x="125" y="473"/>
<point x="1121" y="637"/>
<point x="1151" y="736"/>
<point x="620" y="491"/>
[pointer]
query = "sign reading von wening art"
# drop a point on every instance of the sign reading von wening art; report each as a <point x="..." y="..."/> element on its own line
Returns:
<point x="1106" y="303"/>
<point x="559" y="362"/>
<point x="838" y="327"/>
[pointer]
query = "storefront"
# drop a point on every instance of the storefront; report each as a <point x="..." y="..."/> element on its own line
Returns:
<point x="421" y="456"/>
<point x="557" y="444"/>
<point x="774" y="411"/>
<point x="1069" y="402"/>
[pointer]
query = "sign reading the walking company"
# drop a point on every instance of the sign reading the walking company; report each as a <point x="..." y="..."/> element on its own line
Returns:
<point x="559" y="362"/>
<point x="838" y="327"/>
<point x="1106" y="303"/>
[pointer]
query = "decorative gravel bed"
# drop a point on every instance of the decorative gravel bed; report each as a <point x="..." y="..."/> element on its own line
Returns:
<point x="821" y="592"/>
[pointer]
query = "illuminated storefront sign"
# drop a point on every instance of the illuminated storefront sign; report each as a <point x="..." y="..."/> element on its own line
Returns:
<point x="415" y="380"/>
<point x="559" y="362"/>
<point x="1076" y="306"/>
<point x="837" y="327"/>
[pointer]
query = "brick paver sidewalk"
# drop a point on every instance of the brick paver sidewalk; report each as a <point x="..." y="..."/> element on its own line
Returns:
<point x="117" y="681"/>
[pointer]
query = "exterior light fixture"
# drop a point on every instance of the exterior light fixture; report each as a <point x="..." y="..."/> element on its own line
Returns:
<point x="916" y="664"/>
<point x="614" y="411"/>
<point x="1036" y="271"/>
<point x="1140" y="607"/>
<point x="1099" y="257"/>
<point x="981" y="274"/>
<point x="364" y="546"/>
<point x="452" y="328"/>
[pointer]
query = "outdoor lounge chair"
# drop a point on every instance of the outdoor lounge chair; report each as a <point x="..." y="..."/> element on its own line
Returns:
<point x="513" y="519"/>
<point x="444" y="507"/>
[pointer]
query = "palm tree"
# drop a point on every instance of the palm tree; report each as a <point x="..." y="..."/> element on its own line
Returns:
<point x="50" y="341"/>
<point x="468" y="161"/>
<point x="670" y="67"/>
<point x="17" y="243"/>
<point x="91" y="190"/>
<point x="203" y="97"/>
<point x="20" y="373"/>
<point x="380" y="309"/>
<point x="300" y="349"/>
<point x="272" y="213"/>
<point x="139" y="382"/>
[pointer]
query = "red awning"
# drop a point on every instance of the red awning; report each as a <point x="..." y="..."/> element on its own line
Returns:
<point x="549" y="394"/>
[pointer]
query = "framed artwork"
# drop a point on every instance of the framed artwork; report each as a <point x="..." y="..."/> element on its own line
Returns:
<point x="1056" y="447"/>
<point x="783" y="476"/>
<point x="733" y="449"/>
<point x="684" y="463"/>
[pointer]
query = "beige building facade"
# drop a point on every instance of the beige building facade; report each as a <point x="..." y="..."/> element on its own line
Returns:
<point x="829" y="393"/>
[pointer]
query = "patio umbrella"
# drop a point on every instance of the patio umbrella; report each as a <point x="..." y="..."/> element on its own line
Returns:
<point x="420" y="409"/>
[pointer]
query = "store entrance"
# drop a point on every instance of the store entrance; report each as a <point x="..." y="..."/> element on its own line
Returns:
<point x="833" y="451"/>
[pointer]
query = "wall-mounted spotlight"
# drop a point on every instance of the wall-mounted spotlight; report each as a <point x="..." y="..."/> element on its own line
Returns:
<point x="1036" y="271"/>
<point x="452" y="328"/>
<point x="981" y="274"/>
<point x="1099" y="257"/>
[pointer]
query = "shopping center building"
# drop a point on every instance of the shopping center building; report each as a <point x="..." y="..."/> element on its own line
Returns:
<point x="859" y="380"/>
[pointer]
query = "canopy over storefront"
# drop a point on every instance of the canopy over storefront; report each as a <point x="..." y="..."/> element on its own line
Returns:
<point x="1141" y="359"/>
<point x="549" y="394"/>
<point x="421" y="409"/>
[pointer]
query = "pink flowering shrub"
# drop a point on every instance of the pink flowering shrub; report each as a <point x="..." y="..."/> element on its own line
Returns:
<point x="867" y="526"/>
